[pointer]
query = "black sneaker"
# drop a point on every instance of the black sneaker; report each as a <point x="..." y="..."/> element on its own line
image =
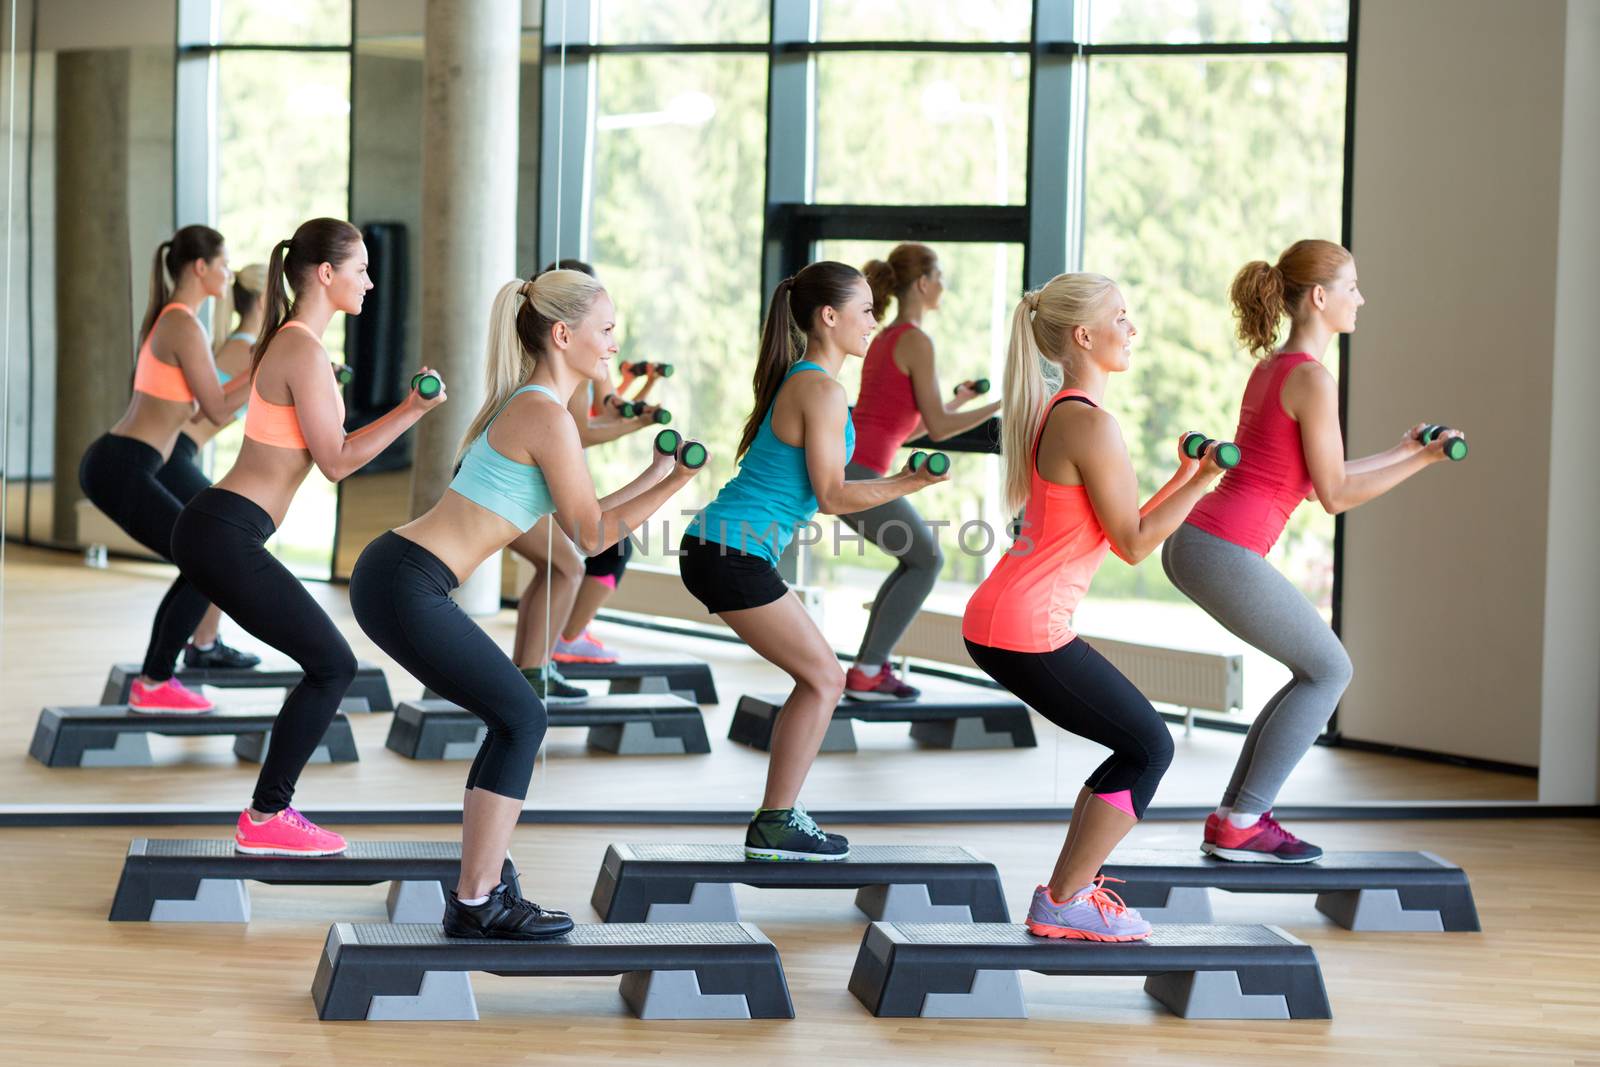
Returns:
<point x="791" y="834"/>
<point x="552" y="688"/>
<point x="219" y="657"/>
<point x="505" y="916"/>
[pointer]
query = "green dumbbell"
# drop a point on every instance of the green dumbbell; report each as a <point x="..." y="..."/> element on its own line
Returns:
<point x="661" y="370"/>
<point x="662" y="416"/>
<point x="979" y="385"/>
<point x="628" y="409"/>
<point x="1455" y="448"/>
<point x="668" y="442"/>
<point x="343" y="374"/>
<point x="427" y="386"/>
<point x="938" y="463"/>
<point x="694" y="455"/>
<point x="1197" y="444"/>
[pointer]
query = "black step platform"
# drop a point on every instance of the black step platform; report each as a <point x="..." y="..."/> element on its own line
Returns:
<point x="979" y="719"/>
<point x="370" y="682"/>
<point x="1405" y="891"/>
<point x="636" y="725"/>
<point x="680" y="676"/>
<point x="694" y="883"/>
<point x="111" y="736"/>
<point x="197" y="880"/>
<point x="954" y="971"/>
<point x="683" y="971"/>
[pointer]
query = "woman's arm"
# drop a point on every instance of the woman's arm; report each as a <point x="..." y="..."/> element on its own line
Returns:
<point x="823" y="409"/>
<point x="315" y="394"/>
<point x="914" y="352"/>
<point x="595" y="525"/>
<point x="194" y="358"/>
<point x="1311" y="397"/>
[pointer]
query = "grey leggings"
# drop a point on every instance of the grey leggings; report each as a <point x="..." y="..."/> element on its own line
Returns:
<point x="1247" y="595"/>
<point x="919" y="561"/>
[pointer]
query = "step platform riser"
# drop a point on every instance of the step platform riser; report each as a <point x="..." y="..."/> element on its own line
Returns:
<point x="111" y="736"/>
<point x="635" y="725"/>
<point x="943" y="722"/>
<point x="369" y="684"/>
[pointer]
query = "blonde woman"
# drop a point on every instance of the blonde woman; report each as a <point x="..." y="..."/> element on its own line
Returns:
<point x="1067" y="467"/>
<point x="521" y="459"/>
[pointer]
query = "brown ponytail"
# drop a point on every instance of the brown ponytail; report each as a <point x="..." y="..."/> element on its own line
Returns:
<point x="1264" y="293"/>
<point x="172" y="255"/>
<point x="316" y="242"/>
<point x="795" y="303"/>
<point x="907" y="264"/>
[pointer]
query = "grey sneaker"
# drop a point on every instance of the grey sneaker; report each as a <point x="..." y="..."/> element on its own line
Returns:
<point x="791" y="834"/>
<point x="1093" y="913"/>
<point x="551" y="687"/>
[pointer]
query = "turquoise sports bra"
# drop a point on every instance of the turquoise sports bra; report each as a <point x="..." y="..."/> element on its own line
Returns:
<point x="514" y="491"/>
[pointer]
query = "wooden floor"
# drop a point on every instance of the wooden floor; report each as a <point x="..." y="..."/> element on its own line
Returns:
<point x="76" y="989"/>
<point x="66" y="623"/>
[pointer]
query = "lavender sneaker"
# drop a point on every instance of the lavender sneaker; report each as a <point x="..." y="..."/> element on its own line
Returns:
<point x="1093" y="913"/>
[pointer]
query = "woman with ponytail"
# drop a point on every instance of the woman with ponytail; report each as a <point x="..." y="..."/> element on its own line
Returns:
<point x="295" y="420"/>
<point x="1067" y="469"/>
<point x="182" y="474"/>
<point x="1294" y="449"/>
<point x="797" y="442"/>
<point x="173" y="376"/>
<point x="567" y="587"/>
<point x="520" y="460"/>
<point x="901" y="398"/>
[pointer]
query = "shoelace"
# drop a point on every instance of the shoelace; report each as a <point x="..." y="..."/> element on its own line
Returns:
<point x="1273" y="824"/>
<point x="1106" y="902"/>
<point x="800" y="819"/>
<point x="298" y="821"/>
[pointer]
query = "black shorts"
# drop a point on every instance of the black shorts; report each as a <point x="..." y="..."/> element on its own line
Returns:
<point x="725" y="579"/>
<point x="610" y="562"/>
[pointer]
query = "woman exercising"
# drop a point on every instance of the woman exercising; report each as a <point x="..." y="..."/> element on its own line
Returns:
<point x="797" y="441"/>
<point x="1067" y="466"/>
<point x="567" y="589"/>
<point x="1294" y="449"/>
<point x="182" y="474"/>
<point x="295" y="420"/>
<point x="521" y="459"/>
<point x="900" y="399"/>
<point x="173" y="376"/>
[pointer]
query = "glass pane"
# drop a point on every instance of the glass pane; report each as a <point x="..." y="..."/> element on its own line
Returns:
<point x="1211" y="21"/>
<point x="950" y="129"/>
<point x="1235" y="159"/>
<point x="680" y="22"/>
<point x="283" y="156"/>
<point x="679" y="152"/>
<point x="924" y="20"/>
<point x="285" y="22"/>
<point x="969" y="332"/>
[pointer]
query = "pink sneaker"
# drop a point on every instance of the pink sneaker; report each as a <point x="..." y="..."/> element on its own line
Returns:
<point x="585" y="648"/>
<point x="885" y="685"/>
<point x="1208" y="838"/>
<point x="287" y="833"/>
<point x="168" y="698"/>
<point x="1265" y="841"/>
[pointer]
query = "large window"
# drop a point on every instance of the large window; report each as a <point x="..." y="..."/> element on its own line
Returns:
<point x="283" y="156"/>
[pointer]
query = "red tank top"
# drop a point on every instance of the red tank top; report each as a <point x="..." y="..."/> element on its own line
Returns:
<point x="886" y="410"/>
<point x="1026" y="603"/>
<point x="1254" y="500"/>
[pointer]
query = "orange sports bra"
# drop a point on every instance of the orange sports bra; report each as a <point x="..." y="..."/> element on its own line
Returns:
<point x="164" y="381"/>
<point x="277" y="424"/>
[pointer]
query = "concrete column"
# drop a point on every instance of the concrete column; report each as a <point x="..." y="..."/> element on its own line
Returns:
<point x="469" y="210"/>
<point x="94" y="281"/>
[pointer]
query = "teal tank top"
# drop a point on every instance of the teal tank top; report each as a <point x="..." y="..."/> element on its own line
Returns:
<point x="514" y="491"/>
<point x="758" y="510"/>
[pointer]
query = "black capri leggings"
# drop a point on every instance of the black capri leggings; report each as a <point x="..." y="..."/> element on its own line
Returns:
<point x="400" y="593"/>
<point x="122" y="477"/>
<point x="1075" y="688"/>
<point x="220" y="542"/>
<point x="610" y="562"/>
<point x="182" y="474"/>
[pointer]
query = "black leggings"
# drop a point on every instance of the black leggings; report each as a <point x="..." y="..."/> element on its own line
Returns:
<point x="182" y="475"/>
<point x="1075" y="688"/>
<point x="400" y="593"/>
<point x="121" y="476"/>
<point x="220" y="542"/>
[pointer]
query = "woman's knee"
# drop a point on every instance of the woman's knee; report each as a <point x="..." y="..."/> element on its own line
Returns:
<point x="333" y="666"/>
<point x="824" y="676"/>
<point x="1331" y="668"/>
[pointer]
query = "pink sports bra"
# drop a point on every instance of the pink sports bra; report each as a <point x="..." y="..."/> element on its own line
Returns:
<point x="277" y="424"/>
<point x="164" y="381"/>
